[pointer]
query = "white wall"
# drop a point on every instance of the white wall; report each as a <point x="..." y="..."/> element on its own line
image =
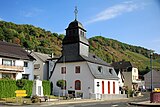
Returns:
<point x="19" y="63"/>
<point x="18" y="76"/>
<point x="121" y="84"/>
<point x="84" y="76"/>
<point x="134" y="74"/>
<point x="29" y="70"/>
<point x="99" y="89"/>
<point x="0" y="75"/>
<point x="0" y="61"/>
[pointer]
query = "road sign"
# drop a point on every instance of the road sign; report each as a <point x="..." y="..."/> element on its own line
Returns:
<point x="20" y="93"/>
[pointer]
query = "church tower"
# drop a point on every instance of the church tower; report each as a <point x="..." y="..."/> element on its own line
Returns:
<point x="75" y="43"/>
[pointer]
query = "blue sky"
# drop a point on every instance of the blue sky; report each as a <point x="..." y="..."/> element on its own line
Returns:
<point x="135" y="22"/>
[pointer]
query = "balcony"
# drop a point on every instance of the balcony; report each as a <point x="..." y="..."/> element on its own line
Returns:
<point x="11" y="68"/>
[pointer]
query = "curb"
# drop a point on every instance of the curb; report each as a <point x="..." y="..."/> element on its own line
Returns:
<point x="145" y="103"/>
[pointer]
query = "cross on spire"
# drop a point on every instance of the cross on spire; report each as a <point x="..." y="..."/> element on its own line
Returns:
<point x="76" y="12"/>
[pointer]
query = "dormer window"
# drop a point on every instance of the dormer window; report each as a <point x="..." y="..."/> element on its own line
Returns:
<point x="100" y="69"/>
<point x="81" y="33"/>
<point x="110" y="71"/>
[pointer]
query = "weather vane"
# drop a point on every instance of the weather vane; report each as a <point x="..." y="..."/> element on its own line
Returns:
<point x="76" y="12"/>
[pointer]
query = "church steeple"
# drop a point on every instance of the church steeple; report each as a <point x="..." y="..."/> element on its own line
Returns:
<point x="76" y="37"/>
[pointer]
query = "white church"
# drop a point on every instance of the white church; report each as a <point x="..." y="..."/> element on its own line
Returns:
<point x="86" y="75"/>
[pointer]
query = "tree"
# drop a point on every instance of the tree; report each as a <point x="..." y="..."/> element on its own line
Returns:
<point x="61" y="84"/>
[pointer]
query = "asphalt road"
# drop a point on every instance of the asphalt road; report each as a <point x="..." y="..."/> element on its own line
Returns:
<point x="115" y="103"/>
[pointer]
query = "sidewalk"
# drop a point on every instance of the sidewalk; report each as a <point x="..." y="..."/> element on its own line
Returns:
<point x="76" y="101"/>
<point x="145" y="103"/>
<point x="58" y="102"/>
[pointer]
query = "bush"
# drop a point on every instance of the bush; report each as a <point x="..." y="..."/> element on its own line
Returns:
<point x="46" y="87"/>
<point x="8" y="87"/>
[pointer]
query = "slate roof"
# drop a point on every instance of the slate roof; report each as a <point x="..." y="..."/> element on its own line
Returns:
<point x="104" y="74"/>
<point x="122" y="64"/>
<point x="75" y="24"/>
<point x="91" y="58"/>
<point x="41" y="56"/>
<point x="14" y="51"/>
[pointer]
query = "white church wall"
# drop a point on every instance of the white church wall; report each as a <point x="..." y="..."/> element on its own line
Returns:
<point x="84" y="76"/>
<point x="99" y="89"/>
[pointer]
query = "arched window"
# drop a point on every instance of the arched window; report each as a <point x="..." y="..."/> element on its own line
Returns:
<point x="113" y="87"/>
<point x="77" y="85"/>
<point x="108" y="87"/>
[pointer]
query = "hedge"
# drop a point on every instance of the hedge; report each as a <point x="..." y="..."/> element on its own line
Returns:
<point x="8" y="88"/>
<point x="46" y="87"/>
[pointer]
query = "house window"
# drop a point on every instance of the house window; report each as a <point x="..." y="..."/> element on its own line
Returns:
<point x="113" y="87"/>
<point x="36" y="66"/>
<point x="25" y="76"/>
<point x="63" y="70"/>
<point x="77" y="85"/>
<point x="77" y="69"/>
<point x="7" y="62"/>
<point x="108" y="87"/>
<point x="25" y="64"/>
<point x="14" y="63"/>
<point x="6" y="75"/>
<point x="100" y="68"/>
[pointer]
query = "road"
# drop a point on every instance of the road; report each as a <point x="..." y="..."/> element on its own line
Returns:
<point x="115" y="103"/>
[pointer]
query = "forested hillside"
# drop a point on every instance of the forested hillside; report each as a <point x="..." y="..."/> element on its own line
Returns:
<point x="112" y="50"/>
<point x="31" y="37"/>
<point x="38" y="39"/>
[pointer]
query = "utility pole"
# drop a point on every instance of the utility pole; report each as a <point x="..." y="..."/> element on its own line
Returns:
<point x="151" y="55"/>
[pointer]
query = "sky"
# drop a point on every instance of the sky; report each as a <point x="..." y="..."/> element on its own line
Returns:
<point x="135" y="22"/>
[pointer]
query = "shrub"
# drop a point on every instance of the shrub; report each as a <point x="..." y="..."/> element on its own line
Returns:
<point x="8" y="87"/>
<point x="46" y="87"/>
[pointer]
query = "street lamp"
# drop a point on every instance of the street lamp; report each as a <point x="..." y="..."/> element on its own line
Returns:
<point x="151" y="55"/>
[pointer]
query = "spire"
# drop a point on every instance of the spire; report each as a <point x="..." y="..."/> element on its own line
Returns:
<point x="76" y="12"/>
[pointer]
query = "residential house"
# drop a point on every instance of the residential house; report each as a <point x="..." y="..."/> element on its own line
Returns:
<point x="83" y="72"/>
<point x="155" y="79"/>
<point x="15" y="62"/>
<point x="43" y="65"/>
<point x="128" y="73"/>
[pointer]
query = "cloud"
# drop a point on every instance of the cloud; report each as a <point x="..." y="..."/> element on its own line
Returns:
<point x="32" y="12"/>
<point x="115" y="11"/>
